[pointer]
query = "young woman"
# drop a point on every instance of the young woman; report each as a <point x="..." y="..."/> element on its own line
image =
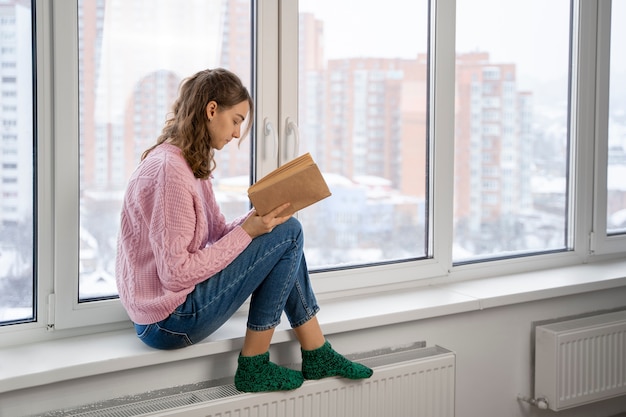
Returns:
<point x="182" y="271"/>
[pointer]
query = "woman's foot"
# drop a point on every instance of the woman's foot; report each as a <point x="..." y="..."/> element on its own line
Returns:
<point x="257" y="374"/>
<point x="324" y="362"/>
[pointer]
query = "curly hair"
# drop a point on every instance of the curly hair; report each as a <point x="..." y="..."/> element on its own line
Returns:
<point x="186" y="125"/>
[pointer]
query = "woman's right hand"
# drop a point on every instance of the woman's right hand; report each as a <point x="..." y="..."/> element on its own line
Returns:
<point x="256" y="225"/>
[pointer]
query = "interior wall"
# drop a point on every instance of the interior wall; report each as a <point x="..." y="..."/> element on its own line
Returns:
<point x="494" y="351"/>
<point x="493" y="361"/>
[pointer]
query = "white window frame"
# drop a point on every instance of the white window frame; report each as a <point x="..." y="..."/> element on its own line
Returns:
<point x="601" y="243"/>
<point x="275" y="91"/>
<point x="65" y="311"/>
<point x="265" y="91"/>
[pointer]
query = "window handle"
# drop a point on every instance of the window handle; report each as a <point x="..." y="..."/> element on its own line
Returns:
<point x="291" y="128"/>
<point x="270" y="137"/>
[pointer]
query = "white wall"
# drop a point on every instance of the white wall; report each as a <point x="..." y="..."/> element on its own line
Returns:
<point x="493" y="348"/>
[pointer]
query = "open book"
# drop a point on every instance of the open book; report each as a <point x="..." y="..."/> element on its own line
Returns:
<point x="298" y="182"/>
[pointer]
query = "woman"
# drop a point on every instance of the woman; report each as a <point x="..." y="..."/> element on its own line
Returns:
<point x="182" y="271"/>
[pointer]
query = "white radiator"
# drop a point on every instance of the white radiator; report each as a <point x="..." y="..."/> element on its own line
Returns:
<point x="580" y="361"/>
<point x="415" y="382"/>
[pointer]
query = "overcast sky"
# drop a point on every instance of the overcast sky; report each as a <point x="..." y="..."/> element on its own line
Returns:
<point x="359" y="28"/>
<point x="532" y="33"/>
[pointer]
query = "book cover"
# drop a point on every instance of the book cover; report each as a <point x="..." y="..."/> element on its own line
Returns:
<point x="298" y="182"/>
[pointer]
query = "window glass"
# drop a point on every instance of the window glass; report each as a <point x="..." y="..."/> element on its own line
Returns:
<point x="511" y="128"/>
<point x="17" y="177"/>
<point x="362" y="103"/>
<point x="616" y="170"/>
<point x="132" y="58"/>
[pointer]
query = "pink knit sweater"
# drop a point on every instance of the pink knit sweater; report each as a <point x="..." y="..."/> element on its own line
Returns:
<point x="172" y="236"/>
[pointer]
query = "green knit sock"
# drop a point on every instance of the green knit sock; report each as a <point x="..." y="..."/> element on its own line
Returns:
<point x="324" y="361"/>
<point x="257" y="374"/>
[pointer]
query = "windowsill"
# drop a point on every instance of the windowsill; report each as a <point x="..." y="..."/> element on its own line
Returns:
<point x="48" y="362"/>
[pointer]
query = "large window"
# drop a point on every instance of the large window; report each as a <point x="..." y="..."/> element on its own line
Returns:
<point x="458" y="137"/>
<point x="511" y="128"/>
<point x="363" y="116"/>
<point x="17" y="177"/>
<point x="616" y="169"/>
<point x="132" y="57"/>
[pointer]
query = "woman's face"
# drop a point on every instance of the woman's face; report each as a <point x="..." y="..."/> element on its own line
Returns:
<point x="225" y="124"/>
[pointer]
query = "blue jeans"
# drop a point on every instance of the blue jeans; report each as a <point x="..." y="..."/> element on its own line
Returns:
<point x="272" y="269"/>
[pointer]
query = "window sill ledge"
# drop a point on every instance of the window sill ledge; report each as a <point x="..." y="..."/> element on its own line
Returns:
<point x="48" y="362"/>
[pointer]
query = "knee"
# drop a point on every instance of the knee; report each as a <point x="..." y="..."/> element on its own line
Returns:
<point x="294" y="227"/>
<point x="294" y="223"/>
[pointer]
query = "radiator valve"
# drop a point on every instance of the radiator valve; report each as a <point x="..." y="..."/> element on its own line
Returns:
<point x="540" y="403"/>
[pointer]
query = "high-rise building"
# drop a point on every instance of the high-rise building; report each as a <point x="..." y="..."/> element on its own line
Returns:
<point x="16" y="114"/>
<point x="493" y="146"/>
<point x="375" y="125"/>
<point x="17" y="161"/>
<point x="363" y="117"/>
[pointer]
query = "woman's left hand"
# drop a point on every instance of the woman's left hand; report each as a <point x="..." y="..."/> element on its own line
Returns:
<point x="256" y="225"/>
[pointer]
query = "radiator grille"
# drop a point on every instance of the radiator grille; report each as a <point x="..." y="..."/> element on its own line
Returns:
<point x="581" y="361"/>
<point x="163" y="404"/>
<point x="416" y="382"/>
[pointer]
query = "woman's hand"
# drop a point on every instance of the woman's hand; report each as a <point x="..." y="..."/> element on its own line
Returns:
<point x="256" y="225"/>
